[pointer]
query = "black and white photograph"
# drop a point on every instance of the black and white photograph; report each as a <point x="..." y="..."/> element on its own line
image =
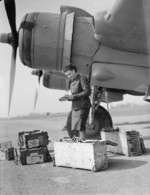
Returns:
<point x="74" y="97"/>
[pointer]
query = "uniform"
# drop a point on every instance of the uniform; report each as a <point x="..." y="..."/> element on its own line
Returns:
<point x="80" y="89"/>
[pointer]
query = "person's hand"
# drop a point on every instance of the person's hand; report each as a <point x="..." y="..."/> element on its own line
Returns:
<point x="70" y="97"/>
<point x="64" y="98"/>
<point x="67" y="97"/>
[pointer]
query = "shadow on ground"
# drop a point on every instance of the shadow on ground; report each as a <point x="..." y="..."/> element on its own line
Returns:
<point x="120" y="164"/>
<point x="146" y="138"/>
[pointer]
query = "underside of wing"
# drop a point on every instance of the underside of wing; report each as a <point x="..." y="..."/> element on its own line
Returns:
<point x="125" y="27"/>
<point x="122" y="61"/>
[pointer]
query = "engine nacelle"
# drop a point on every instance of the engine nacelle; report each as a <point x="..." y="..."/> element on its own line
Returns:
<point x="48" y="41"/>
<point x="41" y="40"/>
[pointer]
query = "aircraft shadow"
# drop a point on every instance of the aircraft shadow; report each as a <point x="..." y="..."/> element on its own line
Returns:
<point x="146" y="138"/>
<point x="147" y="153"/>
<point x="121" y="164"/>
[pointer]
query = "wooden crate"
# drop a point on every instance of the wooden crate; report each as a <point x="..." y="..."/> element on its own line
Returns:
<point x="7" y="154"/>
<point x="2" y="154"/>
<point x="128" y="142"/>
<point x="90" y="154"/>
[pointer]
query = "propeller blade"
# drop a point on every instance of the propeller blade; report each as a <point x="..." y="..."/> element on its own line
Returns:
<point x="36" y="94"/>
<point x="39" y="74"/>
<point x="12" y="76"/>
<point x="11" y="14"/>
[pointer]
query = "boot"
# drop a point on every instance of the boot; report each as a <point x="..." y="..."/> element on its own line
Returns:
<point x="75" y="133"/>
<point x="82" y="135"/>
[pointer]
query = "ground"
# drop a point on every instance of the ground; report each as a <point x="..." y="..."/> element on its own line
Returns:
<point x="124" y="175"/>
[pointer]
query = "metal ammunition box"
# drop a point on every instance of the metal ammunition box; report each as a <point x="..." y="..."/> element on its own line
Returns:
<point x="10" y="154"/>
<point x="33" y="139"/>
<point x="34" y="156"/>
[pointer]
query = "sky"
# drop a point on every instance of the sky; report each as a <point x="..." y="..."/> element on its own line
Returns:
<point x="25" y="83"/>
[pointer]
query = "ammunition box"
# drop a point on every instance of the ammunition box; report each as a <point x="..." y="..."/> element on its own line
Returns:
<point x="34" y="156"/>
<point x="33" y="139"/>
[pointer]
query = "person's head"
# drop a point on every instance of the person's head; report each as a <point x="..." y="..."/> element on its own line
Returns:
<point x="70" y="71"/>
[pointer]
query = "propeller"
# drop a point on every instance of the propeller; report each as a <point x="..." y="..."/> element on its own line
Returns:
<point x="12" y="39"/>
<point x="39" y="74"/>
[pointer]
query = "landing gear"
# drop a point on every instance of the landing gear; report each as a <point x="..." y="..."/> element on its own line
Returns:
<point x="102" y="119"/>
<point x="98" y="118"/>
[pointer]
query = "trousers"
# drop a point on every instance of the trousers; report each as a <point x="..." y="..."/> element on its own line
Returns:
<point x="79" y="118"/>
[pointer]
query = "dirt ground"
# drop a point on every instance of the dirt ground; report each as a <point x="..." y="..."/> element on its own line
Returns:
<point x="124" y="175"/>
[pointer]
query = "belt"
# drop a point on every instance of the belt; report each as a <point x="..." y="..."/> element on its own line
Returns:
<point x="76" y="109"/>
<point x="83" y="98"/>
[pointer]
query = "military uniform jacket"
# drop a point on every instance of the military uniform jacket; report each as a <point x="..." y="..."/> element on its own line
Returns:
<point x="80" y="89"/>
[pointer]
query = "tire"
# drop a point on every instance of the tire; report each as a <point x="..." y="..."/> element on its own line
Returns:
<point x="94" y="169"/>
<point x="102" y="119"/>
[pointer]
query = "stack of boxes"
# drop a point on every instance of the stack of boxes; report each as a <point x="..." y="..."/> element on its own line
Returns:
<point x="33" y="147"/>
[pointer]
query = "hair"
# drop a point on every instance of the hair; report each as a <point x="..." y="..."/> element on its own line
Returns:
<point x="69" y="67"/>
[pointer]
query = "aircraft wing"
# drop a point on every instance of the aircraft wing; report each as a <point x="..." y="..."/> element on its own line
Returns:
<point x="123" y="32"/>
<point x="111" y="48"/>
<point x="125" y="27"/>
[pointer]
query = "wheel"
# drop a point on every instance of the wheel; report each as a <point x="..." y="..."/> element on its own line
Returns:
<point x="102" y="119"/>
<point x="94" y="169"/>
